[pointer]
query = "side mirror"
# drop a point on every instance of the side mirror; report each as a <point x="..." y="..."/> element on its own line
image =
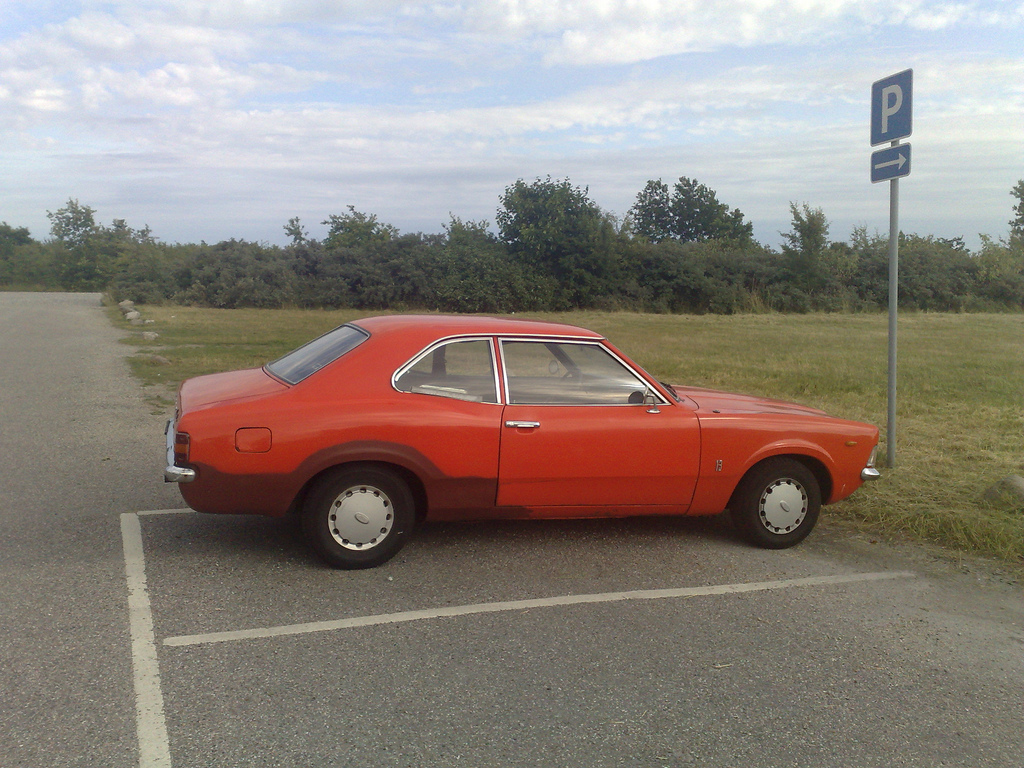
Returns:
<point x="651" y="401"/>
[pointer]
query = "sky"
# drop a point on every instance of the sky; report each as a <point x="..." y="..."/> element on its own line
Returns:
<point x="216" y="119"/>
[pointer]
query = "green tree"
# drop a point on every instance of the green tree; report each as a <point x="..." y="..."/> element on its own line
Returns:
<point x="651" y="214"/>
<point x="662" y="277"/>
<point x="79" y="261"/>
<point x="133" y="265"/>
<point x="12" y="236"/>
<point x="295" y="231"/>
<point x="996" y="259"/>
<point x="935" y="273"/>
<point x="1001" y="271"/>
<point x="805" y="246"/>
<point x="475" y="273"/>
<point x="555" y="229"/>
<point x="697" y="214"/>
<point x="354" y="229"/>
<point x="12" y="246"/>
<point x="73" y="225"/>
<point x="1017" y="223"/>
<point x="88" y="256"/>
<point x="236" y="273"/>
<point x="691" y="213"/>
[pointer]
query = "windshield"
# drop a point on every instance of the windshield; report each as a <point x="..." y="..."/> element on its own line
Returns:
<point x="311" y="357"/>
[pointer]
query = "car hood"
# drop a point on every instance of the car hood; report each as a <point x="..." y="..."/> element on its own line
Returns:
<point x="203" y="391"/>
<point x="728" y="402"/>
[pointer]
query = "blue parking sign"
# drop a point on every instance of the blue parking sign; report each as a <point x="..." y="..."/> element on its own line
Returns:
<point x="892" y="107"/>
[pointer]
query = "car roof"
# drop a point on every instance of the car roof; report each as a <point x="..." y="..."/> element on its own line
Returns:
<point x="441" y="326"/>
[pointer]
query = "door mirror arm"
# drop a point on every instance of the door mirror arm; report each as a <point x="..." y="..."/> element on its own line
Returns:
<point x="651" y="401"/>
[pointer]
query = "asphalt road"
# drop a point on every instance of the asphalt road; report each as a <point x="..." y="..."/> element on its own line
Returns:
<point x="841" y="652"/>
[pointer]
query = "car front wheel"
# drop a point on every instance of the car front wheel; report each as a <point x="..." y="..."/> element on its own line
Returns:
<point x="776" y="504"/>
<point x="359" y="517"/>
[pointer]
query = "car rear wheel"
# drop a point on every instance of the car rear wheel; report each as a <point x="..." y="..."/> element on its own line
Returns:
<point x="776" y="504"/>
<point x="359" y="517"/>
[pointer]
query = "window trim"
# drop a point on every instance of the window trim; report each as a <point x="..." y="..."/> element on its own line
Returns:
<point x="506" y="394"/>
<point x="429" y="349"/>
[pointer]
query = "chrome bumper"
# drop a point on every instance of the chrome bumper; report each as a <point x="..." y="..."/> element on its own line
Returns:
<point x="869" y="472"/>
<point x="172" y="473"/>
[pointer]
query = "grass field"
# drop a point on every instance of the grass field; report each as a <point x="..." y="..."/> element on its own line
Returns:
<point x="960" y="415"/>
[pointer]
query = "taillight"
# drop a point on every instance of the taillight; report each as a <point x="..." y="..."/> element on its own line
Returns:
<point x="181" y="447"/>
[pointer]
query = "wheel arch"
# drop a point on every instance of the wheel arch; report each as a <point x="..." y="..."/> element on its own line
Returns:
<point x="412" y="479"/>
<point x="813" y="464"/>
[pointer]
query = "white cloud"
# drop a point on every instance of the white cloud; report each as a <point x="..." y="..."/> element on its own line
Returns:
<point x="427" y="107"/>
<point x="254" y="13"/>
<point x="623" y="31"/>
<point x="45" y="99"/>
<point x="942" y="17"/>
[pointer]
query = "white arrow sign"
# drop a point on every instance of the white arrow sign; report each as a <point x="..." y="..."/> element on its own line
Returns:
<point x="890" y="163"/>
<point x="899" y="162"/>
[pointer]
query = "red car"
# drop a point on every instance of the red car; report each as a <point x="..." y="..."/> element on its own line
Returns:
<point x="387" y="421"/>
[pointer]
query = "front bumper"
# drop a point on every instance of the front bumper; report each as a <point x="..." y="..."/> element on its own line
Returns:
<point x="172" y="472"/>
<point x="869" y="472"/>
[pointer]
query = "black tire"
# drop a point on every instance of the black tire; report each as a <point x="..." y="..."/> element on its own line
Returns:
<point x="776" y="504"/>
<point x="359" y="516"/>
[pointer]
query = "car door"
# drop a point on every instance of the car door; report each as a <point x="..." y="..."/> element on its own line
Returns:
<point x="452" y="419"/>
<point x="578" y="439"/>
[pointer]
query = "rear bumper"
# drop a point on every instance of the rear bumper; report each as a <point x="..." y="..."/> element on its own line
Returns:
<point x="172" y="472"/>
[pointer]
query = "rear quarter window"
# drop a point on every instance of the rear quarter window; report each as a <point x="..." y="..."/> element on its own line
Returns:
<point x="311" y="357"/>
<point x="461" y="370"/>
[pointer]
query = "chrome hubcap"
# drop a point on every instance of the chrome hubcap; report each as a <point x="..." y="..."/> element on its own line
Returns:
<point x="361" y="517"/>
<point x="783" y="506"/>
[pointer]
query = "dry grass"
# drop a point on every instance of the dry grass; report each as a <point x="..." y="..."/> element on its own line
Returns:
<point x="960" y="415"/>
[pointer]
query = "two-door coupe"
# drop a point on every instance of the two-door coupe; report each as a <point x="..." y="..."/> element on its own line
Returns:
<point x="386" y="421"/>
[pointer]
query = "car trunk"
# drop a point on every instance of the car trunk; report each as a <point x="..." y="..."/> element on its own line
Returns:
<point x="219" y="388"/>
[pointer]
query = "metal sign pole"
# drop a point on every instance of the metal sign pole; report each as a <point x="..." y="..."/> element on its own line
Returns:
<point x="892" y="119"/>
<point x="894" y="257"/>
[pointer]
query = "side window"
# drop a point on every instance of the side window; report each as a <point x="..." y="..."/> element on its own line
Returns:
<point x="463" y="370"/>
<point x="311" y="357"/>
<point x="567" y="373"/>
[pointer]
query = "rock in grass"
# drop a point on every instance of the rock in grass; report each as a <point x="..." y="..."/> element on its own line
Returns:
<point x="1008" y="491"/>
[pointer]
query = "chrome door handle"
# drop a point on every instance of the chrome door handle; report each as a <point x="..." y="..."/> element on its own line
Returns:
<point x="522" y="424"/>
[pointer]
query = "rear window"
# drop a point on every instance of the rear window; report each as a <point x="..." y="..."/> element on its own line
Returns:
<point x="311" y="357"/>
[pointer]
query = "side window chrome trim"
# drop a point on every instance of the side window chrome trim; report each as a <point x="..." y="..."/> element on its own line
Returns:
<point x="443" y="342"/>
<point x="573" y="340"/>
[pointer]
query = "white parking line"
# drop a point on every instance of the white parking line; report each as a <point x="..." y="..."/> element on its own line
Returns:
<point x="154" y="751"/>
<point x="519" y="605"/>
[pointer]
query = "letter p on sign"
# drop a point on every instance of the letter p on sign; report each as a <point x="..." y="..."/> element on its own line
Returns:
<point x="891" y="107"/>
<point x="892" y="100"/>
